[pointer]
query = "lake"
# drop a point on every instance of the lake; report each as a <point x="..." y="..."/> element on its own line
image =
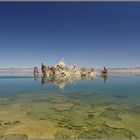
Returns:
<point x="69" y="107"/>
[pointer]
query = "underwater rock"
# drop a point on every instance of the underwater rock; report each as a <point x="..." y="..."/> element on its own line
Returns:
<point x="90" y="116"/>
<point x="78" y="116"/>
<point x="6" y="100"/>
<point x="41" y="110"/>
<point x="132" y="123"/>
<point x="115" y="124"/>
<point x="91" y="134"/>
<point x="94" y="99"/>
<point x="110" y="115"/>
<point x="119" y="133"/>
<point x="13" y="113"/>
<point x="56" y="116"/>
<point x="33" y="129"/>
<point x="120" y="96"/>
<point x="58" y="100"/>
<point x="41" y="106"/>
<point x="63" y="106"/>
<point x="129" y="122"/>
<point x="8" y="123"/>
<point x="14" y="137"/>
<point x="63" y="134"/>
<point x="96" y="110"/>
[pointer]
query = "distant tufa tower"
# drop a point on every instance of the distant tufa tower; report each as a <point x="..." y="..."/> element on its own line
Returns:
<point x="43" y="68"/>
<point x="61" y="62"/>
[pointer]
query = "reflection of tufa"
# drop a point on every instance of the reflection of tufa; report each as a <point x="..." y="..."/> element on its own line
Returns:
<point x="61" y="81"/>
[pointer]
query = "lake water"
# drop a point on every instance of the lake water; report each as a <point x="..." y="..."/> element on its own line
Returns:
<point x="74" y="107"/>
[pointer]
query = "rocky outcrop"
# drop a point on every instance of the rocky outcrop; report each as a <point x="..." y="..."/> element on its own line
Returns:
<point x="36" y="70"/>
<point x="43" y="69"/>
<point x="61" y="63"/>
<point x="104" y="71"/>
<point x="61" y="69"/>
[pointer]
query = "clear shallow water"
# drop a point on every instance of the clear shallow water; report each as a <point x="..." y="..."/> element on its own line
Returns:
<point x="74" y="107"/>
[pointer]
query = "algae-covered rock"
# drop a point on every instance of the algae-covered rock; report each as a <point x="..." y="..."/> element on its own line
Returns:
<point x="97" y="110"/>
<point x="34" y="129"/>
<point x="129" y="122"/>
<point x="92" y="134"/>
<point x="40" y="110"/>
<point x="65" y="133"/>
<point x="57" y="116"/>
<point x="63" y="106"/>
<point x="58" y="99"/>
<point x="14" y="112"/>
<point x="132" y="123"/>
<point x="115" y="124"/>
<point x="6" y="100"/>
<point x="41" y="106"/>
<point x="119" y="133"/>
<point x="78" y="116"/>
<point x="110" y="115"/>
<point x="14" y="137"/>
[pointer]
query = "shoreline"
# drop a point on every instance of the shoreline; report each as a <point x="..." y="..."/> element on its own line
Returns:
<point x="125" y="70"/>
<point x="135" y="70"/>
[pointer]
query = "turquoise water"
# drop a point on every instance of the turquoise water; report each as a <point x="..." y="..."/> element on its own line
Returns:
<point x="74" y="107"/>
<point x="128" y="85"/>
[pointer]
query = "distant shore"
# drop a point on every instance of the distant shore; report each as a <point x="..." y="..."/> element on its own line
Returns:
<point x="135" y="70"/>
<point x="16" y="70"/>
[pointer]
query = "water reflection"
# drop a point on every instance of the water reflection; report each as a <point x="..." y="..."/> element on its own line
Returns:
<point x="36" y="76"/>
<point x="59" y="81"/>
<point x="104" y="77"/>
<point x="62" y="81"/>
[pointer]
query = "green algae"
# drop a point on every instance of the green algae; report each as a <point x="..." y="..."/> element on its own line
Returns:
<point x="131" y="122"/>
<point x="78" y="115"/>
<point x="50" y="116"/>
<point x="63" y="106"/>
<point x="34" y="129"/>
<point x="110" y="115"/>
<point x="14" y="137"/>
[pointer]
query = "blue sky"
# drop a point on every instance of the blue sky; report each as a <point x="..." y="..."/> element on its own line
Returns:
<point x="84" y="34"/>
